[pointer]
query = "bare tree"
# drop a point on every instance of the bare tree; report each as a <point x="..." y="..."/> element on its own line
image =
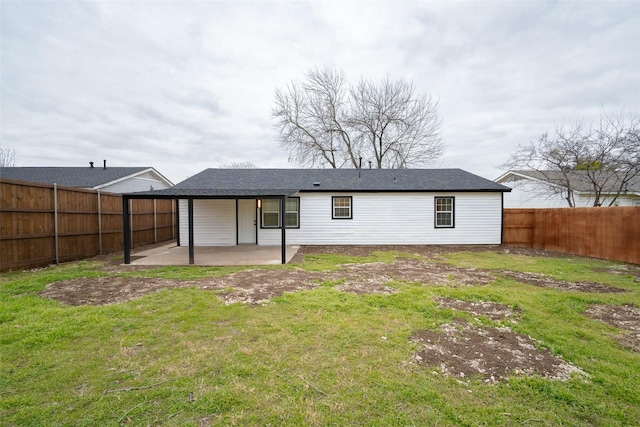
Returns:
<point x="323" y="122"/>
<point x="612" y="157"/>
<point x="310" y="117"/>
<point x="397" y="126"/>
<point x="601" y="160"/>
<point x="8" y="157"/>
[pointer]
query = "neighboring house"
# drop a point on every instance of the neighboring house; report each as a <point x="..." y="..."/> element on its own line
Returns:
<point x="105" y="178"/>
<point x="336" y="207"/>
<point x="547" y="189"/>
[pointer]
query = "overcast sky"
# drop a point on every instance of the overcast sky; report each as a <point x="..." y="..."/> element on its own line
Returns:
<point x="184" y="85"/>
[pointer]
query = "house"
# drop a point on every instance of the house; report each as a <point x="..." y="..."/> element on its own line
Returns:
<point x="108" y="179"/>
<point x="219" y="207"/>
<point x="547" y="189"/>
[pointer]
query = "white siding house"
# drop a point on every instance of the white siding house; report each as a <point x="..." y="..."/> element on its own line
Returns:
<point x="378" y="219"/>
<point x="109" y="179"/>
<point x="531" y="189"/>
<point x="145" y="181"/>
<point x="384" y="208"/>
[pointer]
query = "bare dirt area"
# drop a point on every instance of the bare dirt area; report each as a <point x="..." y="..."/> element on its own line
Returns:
<point x="257" y="286"/>
<point x="548" y="282"/>
<point x="492" y="310"/>
<point x="625" y="317"/>
<point x="417" y="270"/>
<point x="462" y="350"/>
<point x="254" y="287"/>
<point x="107" y="290"/>
<point x="622" y="270"/>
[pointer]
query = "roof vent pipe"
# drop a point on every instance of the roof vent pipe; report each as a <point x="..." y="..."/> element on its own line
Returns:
<point x="316" y="184"/>
<point x="91" y="164"/>
<point x="105" y="164"/>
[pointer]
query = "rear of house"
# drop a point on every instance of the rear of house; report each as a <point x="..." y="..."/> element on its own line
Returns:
<point x="340" y="207"/>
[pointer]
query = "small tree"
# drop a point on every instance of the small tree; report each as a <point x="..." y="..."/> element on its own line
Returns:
<point x="322" y="121"/>
<point x="604" y="158"/>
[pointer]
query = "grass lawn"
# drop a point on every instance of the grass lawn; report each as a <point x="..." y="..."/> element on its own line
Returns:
<point x="320" y="356"/>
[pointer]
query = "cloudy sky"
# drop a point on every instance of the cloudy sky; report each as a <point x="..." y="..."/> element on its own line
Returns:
<point x="187" y="85"/>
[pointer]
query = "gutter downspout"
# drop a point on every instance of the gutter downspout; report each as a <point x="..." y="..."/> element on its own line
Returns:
<point x="191" y="243"/>
<point x="501" y="218"/>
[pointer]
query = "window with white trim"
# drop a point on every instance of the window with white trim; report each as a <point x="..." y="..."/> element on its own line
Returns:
<point x="271" y="213"/>
<point x="444" y="213"/>
<point x="341" y="207"/>
<point x="292" y="213"/>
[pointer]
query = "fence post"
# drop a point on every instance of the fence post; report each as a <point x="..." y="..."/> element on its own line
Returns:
<point x="125" y="230"/>
<point x="55" y="221"/>
<point x="133" y="243"/>
<point x="99" y="225"/>
<point x="155" y="222"/>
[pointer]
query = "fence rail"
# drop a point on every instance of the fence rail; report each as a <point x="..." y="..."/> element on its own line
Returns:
<point x="42" y="224"/>
<point x="611" y="233"/>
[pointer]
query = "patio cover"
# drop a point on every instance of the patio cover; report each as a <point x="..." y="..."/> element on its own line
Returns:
<point x="190" y="195"/>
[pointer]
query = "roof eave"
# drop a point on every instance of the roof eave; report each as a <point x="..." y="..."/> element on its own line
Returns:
<point x="133" y="175"/>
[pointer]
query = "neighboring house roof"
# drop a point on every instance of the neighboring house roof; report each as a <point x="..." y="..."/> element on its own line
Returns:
<point x="285" y="182"/>
<point x="82" y="177"/>
<point x="579" y="180"/>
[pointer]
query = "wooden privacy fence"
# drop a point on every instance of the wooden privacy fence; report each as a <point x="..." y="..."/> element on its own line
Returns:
<point x="606" y="232"/>
<point x="42" y="224"/>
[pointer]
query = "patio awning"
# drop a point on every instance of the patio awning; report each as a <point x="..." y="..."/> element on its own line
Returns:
<point x="192" y="194"/>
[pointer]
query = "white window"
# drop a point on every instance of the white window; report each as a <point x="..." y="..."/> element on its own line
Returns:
<point x="292" y="213"/>
<point x="444" y="212"/>
<point x="271" y="213"/>
<point x="341" y="207"/>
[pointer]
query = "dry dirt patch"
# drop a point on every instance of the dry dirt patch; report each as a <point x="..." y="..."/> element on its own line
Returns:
<point x="255" y="287"/>
<point x="462" y="350"/>
<point x="543" y="281"/>
<point x="622" y="270"/>
<point x="417" y="270"/>
<point x="492" y="310"/>
<point x="259" y="285"/>
<point x="625" y="317"/>
<point x="251" y="287"/>
<point x="108" y="289"/>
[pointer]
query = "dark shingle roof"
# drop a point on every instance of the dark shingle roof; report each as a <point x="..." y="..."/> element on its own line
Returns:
<point x="580" y="181"/>
<point x="83" y="177"/>
<point x="264" y="182"/>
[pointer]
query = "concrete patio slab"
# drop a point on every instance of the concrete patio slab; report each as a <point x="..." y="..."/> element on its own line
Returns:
<point x="171" y="254"/>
